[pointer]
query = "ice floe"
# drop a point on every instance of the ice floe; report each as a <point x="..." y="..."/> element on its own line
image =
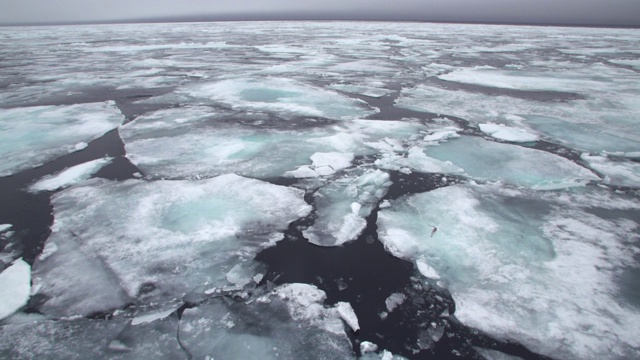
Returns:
<point x="343" y="205"/>
<point x="617" y="172"/>
<point x="523" y="266"/>
<point x="507" y="133"/>
<point x="168" y="238"/>
<point x="492" y="161"/>
<point x="70" y="176"/>
<point x="285" y="97"/>
<point x="289" y="322"/>
<point x="15" y="287"/>
<point x="30" y="136"/>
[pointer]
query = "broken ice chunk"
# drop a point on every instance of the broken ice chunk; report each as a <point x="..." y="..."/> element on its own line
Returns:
<point x="33" y="135"/>
<point x="337" y="221"/>
<point x="15" y="287"/>
<point x="5" y="227"/>
<point x="348" y="315"/>
<point x="70" y="176"/>
<point x="427" y="270"/>
<point x="367" y="347"/>
<point x="617" y="172"/>
<point x="418" y="161"/>
<point x="337" y="161"/>
<point x="153" y="316"/>
<point x="507" y="133"/>
<point x="394" y="300"/>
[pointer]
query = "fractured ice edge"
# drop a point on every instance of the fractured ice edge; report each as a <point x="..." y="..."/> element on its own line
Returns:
<point x="537" y="247"/>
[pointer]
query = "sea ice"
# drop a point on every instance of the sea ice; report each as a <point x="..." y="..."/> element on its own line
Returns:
<point x="171" y="237"/>
<point x="616" y="172"/>
<point x="343" y="205"/>
<point x="15" y="287"/>
<point x="70" y="176"/>
<point x="418" y="161"/>
<point x="507" y="133"/>
<point x="510" y="256"/>
<point x="348" y="315"/>
<point x="394" y="300"/>
<point x="290" y="322"/>
<point x="285" y="97"/>
<point x="5" y="227"/>
<point x="30" y="136"/>
<point x="489" y="160"/>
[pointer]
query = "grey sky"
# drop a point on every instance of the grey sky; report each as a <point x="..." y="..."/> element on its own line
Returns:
<point x="603" y="12"/>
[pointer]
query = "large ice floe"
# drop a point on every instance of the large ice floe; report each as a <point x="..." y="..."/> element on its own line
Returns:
<point x="290" y="322"/>
<point x="206" y="142"/>
<point x="155" y="241"/>
<point x="31" y="136"/>
<point x="513" y="164"/>
<point x="283" y="96"/>
<point x="543" y="268"/>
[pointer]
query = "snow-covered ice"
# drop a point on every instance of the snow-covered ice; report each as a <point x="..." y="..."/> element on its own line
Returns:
<point x="513" y="164"/>
<point x="508" y="133"/>
<point x="347" y="314"/>
<point x="524" y="265"/>
<point x="343" y="205"/>
<point x="30" y="136"/>
<point x="171" y="237"/>
<point x="70" y="176"/>
<point x="15" y="287"/>
<point x="617" y="172"/>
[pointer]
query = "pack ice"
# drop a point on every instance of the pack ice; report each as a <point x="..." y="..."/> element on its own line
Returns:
<point x="155" y="241"/>
<point x="543" y="268"/>
<point x="208" y="142"/>
<point x="31" y="136"/>
<point x="513" y="164"/>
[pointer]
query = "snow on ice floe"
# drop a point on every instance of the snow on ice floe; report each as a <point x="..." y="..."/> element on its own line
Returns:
<point x="596" y="123"/>
<point x="489" y="160"/>
<point x="290" y="322"/>
<point x="30" y="136"/>
<point x="535" y="267"/>
<point x="507" y="133"/>
<point x="70" y="176"/>
<point x="285" y="97"/>
<point x="617" y="172"/>
<point x="167" y="238"/>
<point x="416" y="159"/>
<point x="343" y="205"/>
<point x="204" y="145"/>
<point x="15" y="287"/>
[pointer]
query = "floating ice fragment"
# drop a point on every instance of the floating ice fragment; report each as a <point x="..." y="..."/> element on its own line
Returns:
<point x="70" y="176"/>
<point x="337" y="221"/>
<point x="15" y="287"/>
<point x="507" y="133"/>
<point x="394" y="300"/>
<point x="418" y="161"/>
<point x="427" y="270"/>
<point x="31" y="136"/>
<point x="337" y="161"/>
<point x="348" y="315"/>
<point x="5" y="227"/>
<point x="617" y="172"/>
<point x="367" y="347"/>
<point x="81" y="146"/>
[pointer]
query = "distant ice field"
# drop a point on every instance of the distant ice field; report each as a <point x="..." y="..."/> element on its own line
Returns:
<point x="496" y="167"/>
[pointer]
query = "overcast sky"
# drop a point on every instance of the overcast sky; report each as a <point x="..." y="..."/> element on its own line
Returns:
<point x="602" y="12"/>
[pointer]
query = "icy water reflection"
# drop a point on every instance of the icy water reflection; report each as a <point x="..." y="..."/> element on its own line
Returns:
<point x="319" y="190"/>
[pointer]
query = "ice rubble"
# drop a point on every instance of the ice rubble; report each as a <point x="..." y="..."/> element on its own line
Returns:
<point x="204" y="145"/>
<point x="15" y="287"/>
<point x="166" y="239"/>
<point x="290" y="322"/>
<point x="70" y="176"/>
<point x="489" y="160"/>
<point x="617" y="172"/>
<point x="286" y="97"/>
<point x="416" y="160"/>
<point x="30" y="136"/>
<point x="507" y="133"/>
<point x="343" y="205"/>
<point x="530" y="266"/>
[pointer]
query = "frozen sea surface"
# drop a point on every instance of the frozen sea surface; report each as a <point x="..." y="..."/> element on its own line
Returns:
<point x="319" y="190"/>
